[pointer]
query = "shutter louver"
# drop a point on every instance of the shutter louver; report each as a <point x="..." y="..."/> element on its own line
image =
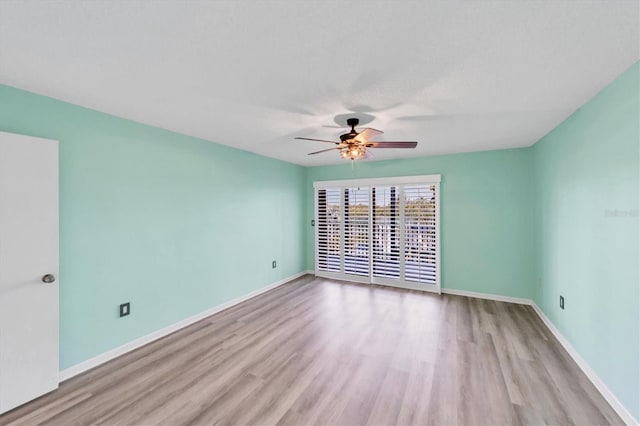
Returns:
<point x="420" y="233"/>
<point x="329" y="230"/>
<point x="386" y="232"/>
<point x="356" y="231"/>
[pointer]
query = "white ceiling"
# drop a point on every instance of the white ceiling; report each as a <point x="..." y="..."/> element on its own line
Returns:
<point x="456" y="76"/>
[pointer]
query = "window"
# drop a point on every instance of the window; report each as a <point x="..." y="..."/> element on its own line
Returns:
<point x="356" y="231"/>
<point x="380" y="231"/>
<point x="386" y="231"/>
<point x="328" y="245"/>
<point x="420" y="233"/>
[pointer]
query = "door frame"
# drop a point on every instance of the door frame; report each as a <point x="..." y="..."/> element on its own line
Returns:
<point x="370" y="183"/>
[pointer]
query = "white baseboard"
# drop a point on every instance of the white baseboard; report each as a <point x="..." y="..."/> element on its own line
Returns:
<point x="587" y="370"/>
<point x="509" y="299"/>
<point x="72" y="371"/>
<point x="134" y="344"/>
<point x="604" y="390"/>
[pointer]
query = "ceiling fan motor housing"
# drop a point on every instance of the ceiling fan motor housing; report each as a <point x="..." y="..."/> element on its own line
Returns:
<point x="353" y="122"/>
<point x="348" y="136"/>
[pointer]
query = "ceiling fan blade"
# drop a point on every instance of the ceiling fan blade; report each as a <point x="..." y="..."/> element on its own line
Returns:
<point x="324" y="150"/>
<point x="403" y="144"/>
<point x="367" y="134"/>
<point x="425" y="117"/>
<point x="316" y="140"/>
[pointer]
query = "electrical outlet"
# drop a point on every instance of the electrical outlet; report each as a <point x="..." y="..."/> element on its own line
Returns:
<point x="125" y="309"/>
<point x="313" y="222"/>
<point x="273" y="264"/>
<point x="561" y="302"/>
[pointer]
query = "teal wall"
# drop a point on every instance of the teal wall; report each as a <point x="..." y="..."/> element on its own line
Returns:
<point x="487" y="220"/>
<point x="171" y="223"/>
<point x="174" y="224"/>
<point x="560" y="218"/>
<point x="587" y="201"/>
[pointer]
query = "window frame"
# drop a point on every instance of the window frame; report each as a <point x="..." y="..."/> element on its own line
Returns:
<point x="370" y="183"/>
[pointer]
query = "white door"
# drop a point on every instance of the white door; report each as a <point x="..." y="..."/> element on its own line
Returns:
<point x="28" y="268"/>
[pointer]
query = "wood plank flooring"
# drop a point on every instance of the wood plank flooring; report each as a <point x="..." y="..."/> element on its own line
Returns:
<point x="316" y="351"/>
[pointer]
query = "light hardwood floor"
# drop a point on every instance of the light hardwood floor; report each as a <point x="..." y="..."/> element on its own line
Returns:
<point x="316" y="351"/>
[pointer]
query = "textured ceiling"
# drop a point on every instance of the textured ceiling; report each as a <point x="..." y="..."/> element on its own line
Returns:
<point x="456" y="76"/>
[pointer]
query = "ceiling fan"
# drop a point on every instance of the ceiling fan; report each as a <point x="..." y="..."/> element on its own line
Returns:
<point x="354" y="145"/>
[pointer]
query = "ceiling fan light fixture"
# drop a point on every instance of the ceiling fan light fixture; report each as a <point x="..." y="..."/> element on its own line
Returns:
<point x="353" y="152"/>
<point x="354" y="145"/>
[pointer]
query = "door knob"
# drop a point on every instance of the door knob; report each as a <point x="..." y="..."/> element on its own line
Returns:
<point x="49" y="278"/>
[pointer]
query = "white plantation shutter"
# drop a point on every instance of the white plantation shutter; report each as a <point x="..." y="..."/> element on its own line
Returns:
<point x="356" y="231"/>
<point x="420" y="233"/>
<point x="381" y="231"/>
<point x="386" y="231"/>
<point x="329" y="236"/>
